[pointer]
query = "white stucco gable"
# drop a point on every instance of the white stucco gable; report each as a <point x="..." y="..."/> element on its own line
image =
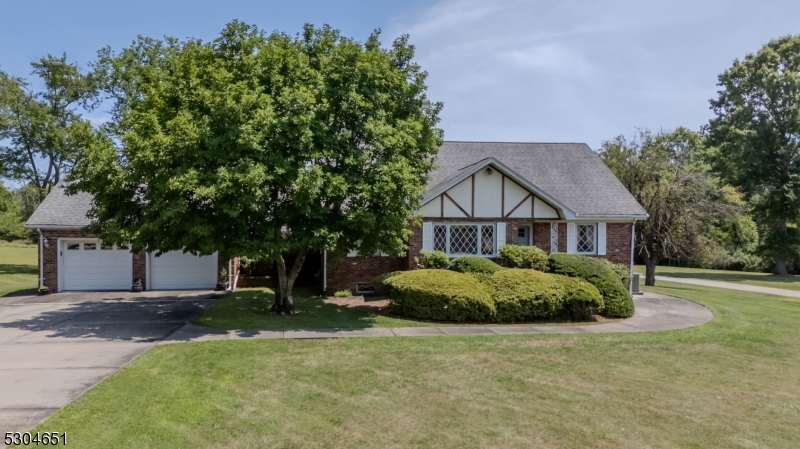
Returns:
<point x="489" y="189"/>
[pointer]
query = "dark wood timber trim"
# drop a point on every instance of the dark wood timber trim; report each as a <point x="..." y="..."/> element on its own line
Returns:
<point x="456" y="204"/>
<point x="533" y="209"/>
<point x="502" y="195"/>
<point x="441" y="206"/>
<point x="518" y="205"/>
<point x="472" y="208"/>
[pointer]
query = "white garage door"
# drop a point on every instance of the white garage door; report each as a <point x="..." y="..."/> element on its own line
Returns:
<point x="178" y="270"/>
<point x="90" y="265"/>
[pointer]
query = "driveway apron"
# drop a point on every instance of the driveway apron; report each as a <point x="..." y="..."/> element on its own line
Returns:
<point x="54" y="348"/>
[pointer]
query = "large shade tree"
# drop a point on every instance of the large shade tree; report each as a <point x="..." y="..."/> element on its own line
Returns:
<point x="666" y="175"/>
<point x="262" y="145"/>
<point x="757" y="133"/>
<point x="42" y="130"/>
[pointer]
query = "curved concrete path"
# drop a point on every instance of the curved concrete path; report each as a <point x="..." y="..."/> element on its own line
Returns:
<point x="654" y="312"/>
<point x="733" y="286"/>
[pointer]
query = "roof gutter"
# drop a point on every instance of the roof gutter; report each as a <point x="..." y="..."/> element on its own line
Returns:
<point x="57" y="227"/>
<point x="41" y="259"/>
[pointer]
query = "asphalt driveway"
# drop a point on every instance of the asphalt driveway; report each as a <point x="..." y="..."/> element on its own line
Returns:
<point x="54" y="348"/>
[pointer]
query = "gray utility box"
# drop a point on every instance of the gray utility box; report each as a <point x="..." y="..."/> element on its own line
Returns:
<point x="635" y="284"/>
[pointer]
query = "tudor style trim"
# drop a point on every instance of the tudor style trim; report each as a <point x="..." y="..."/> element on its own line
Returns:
<point x="563" y="211"/>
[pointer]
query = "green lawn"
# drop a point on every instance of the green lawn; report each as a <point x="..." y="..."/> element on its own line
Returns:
<point x="791" y="282"/>
<point x="19" y="271"/>
<point x="734" y="382"/>
<point x="249" y="309"/>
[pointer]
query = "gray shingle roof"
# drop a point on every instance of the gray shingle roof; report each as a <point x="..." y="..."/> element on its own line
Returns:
<point x="571" y="173"/>
<point x="59" y="210"/>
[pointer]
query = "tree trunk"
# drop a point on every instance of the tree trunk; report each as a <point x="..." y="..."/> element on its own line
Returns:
<point x="284" y="304"/>
<point x="650" y="270"/>
<point x="780" y="256"/>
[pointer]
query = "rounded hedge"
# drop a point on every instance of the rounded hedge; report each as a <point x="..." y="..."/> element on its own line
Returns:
<point x="432" y="260"/>
<point x="521" y="294"/>
<point x="516" y="256"/>
<point x="581" y="299"/>
<point x="438" y="295"/>
<point x="474" y="264"/>
<point x="617" y="302"/>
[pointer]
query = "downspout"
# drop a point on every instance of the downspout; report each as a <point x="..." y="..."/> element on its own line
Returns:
<point x="325" y="272"/>
<point x="230" y="274"/>
<point x="633" y="241"/>
<point x="41" y="258"/>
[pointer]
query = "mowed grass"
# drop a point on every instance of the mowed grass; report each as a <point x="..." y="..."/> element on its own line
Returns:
<point x="790" y="282"/>
<point x="19" y="271"/>
<point x="734" y="382"/>
<point x="250" y="309"/>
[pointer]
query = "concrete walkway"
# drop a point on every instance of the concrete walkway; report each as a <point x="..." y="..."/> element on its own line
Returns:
<point x="654" y="312"/>
<point x="732" y="286"/>
<point x="53" y="348"/>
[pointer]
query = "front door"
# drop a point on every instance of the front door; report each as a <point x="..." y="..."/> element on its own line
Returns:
<point x="524" y="236"/>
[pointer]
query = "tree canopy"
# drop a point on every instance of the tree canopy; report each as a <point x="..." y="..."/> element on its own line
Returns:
<point x="666" y="175"/>
<point x="42" y="131"/>
<point x="261" y="145"/>
<point x="757" y="135"/>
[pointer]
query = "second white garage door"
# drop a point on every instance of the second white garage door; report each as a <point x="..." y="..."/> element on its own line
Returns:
<point x="177" y="270"/>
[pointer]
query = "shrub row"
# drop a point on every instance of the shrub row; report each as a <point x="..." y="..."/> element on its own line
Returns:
<point x="506" y="296"/>
<point x="617" y="301"/>
<point x="522" y="293"/>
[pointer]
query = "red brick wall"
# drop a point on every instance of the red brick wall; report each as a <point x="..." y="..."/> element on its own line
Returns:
<point x="347" y="271"/>
<point x="541" y="236"/>
<point x="51" y="257"/>
<point x="618" y="243"/>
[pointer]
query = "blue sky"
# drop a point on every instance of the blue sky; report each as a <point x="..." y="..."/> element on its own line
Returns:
<point x="506" y="70"/>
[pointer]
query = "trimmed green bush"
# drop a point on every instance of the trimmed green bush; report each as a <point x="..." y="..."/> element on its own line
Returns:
<point x="622" y="271"/>
<point x="521" y="294"/>
<point x="432" y="260"/>
<point x="617" y="301"/>
<point x="516" y="256"/>
<point x="474" y="264"/>
<point x="343" y="294"/>
<point x="380" y="282"/>
<point x="581" y="299"/>
<point x="439" y="295"/>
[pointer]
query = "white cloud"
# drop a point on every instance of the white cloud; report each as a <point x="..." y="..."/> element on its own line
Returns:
<point x="579" y="70"/>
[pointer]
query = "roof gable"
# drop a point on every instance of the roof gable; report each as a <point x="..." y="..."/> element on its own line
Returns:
<point x="569" y="175"/>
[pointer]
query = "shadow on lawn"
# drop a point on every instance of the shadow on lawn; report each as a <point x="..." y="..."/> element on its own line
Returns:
<point x="141" y="320"/>
<point x="249" y="309"/>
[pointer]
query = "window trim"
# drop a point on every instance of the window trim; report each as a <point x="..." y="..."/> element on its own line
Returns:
<point x="479" y="238"/>
<point x="594" y="238"/>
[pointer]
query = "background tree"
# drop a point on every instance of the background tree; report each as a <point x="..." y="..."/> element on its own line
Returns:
<point x="262" y="145"/>
<point x="757" y="134"/>
<point x="664" y="172"/>
<point x="42" y="131"/>
<point x="11" y="227"/>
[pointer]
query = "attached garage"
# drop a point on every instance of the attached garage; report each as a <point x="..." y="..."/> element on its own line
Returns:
<point x="177" y="270"/>
<point x="88" y="264"/>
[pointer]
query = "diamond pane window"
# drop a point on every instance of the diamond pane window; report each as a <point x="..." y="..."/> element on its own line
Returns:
<point x="586" y="238"/>
<point x="463" y="239"/>
<point x="440" y="238"/>
<point x="487" y="240"/>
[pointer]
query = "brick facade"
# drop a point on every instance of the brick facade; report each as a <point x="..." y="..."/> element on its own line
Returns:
<point x="347" y="271"/>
